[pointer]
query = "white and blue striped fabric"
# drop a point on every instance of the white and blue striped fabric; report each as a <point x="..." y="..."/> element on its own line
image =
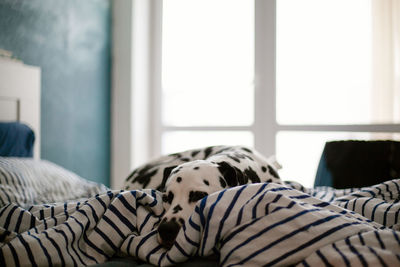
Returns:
<point x="27" y="181"/>
<point x="252" y="225"/>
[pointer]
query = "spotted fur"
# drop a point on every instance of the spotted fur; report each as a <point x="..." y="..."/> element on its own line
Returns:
<point x="189" y="176"/>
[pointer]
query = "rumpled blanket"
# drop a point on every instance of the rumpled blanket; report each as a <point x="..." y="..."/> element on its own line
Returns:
<point x="261" y="224"/>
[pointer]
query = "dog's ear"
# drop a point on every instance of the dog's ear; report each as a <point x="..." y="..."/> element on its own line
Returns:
<point x="229" y="173"/>
<point x="166" y="173"/>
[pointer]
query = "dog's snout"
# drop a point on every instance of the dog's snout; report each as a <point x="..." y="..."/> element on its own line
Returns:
<point x="167" y="231"/>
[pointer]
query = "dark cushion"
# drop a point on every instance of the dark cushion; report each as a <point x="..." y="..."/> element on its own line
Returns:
<point x="16" y="140"/>
<point x="351" y="163"/>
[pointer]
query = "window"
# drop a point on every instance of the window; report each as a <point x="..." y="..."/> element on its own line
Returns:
<point x="283" y="76"/>
<point x="328" y="60"/>
<point x="207" y="73"/>
<point x="335" y="90"/>
<point x="323" y="76"/>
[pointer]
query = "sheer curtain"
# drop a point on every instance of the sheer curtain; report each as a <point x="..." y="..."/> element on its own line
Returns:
<point x="386" y="56"/>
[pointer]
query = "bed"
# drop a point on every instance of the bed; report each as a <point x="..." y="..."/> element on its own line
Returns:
<point x="50" y="216"/>
<point x="251" y="225"/>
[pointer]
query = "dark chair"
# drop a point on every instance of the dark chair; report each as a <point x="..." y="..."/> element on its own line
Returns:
<point x="350" y="163"/>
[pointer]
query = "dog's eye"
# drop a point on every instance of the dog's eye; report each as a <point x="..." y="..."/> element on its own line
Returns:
<point x="168" y="197"/>
<point x="165" y="198"/>
<point x="195" y="196"/>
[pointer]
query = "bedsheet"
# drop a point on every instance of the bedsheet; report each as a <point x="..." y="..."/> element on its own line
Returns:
<point x="262" y="224"/>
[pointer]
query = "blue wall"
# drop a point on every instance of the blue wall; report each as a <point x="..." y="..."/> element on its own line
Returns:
<point x="70" y="41"/>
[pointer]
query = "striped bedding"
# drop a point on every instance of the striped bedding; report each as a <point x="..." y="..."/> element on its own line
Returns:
<point x="27" y="181"/>
<point x="251" y="225"/>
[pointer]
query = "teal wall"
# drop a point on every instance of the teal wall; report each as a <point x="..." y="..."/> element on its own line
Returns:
<point x="70" y="41"/>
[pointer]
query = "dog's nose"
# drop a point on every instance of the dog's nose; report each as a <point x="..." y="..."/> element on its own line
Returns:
<point x="167" y="231"/>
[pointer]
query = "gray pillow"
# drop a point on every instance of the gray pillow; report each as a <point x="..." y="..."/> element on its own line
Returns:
<point x="27" y="181"/>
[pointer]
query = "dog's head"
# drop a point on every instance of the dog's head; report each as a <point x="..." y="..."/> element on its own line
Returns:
<point x="187" y="184"/>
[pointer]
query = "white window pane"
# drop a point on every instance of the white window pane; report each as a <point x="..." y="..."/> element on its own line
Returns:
<point x="206" y="107"/>
<point x="299" y="152"/>
<point x="176" y="141"/>
<point x="208" y="62"/>
<point x="324" y="61"/>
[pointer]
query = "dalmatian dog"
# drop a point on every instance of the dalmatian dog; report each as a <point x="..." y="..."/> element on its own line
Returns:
<point x="186" y="177"/>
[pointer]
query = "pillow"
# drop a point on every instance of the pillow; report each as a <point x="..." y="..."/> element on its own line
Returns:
<point x="27" y="182"/>
<point x="16" y="140"/>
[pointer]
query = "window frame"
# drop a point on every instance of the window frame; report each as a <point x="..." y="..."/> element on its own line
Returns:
<point x="144" y="136"/>
<point x="265" y="126"/>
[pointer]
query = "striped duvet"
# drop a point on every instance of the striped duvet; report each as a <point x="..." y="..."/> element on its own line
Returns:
<point x="251" y="225"/>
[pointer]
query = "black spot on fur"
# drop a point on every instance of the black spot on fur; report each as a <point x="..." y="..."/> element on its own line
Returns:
<point x="234" y="158"/>
<point x="131" y="175"/>
<point x="208" y="151"/>
<point x="195" y="196"/>
<point x="166" y="174"/>
<point x="194" y="153"/>
<point x="250" y="158"/>
<point x="242" y="156"/>
<point x="222" y="150"/>
<point x="145" y="178"/>
<point x="145" y="169"/>
<point x="229" y="173"/>
<point x="168" y="197"/>
<point x="241" y="177"/>
<point x="222" y="182"/>
<point x="247" y="150"/>
<point x="252" y="175"/>
<point x="143" y="175"/>
<point x="206" y="182"/>
<point x="264" y="169"/>
<point x="182" y="221"/>
<point x="196" y="168"/>
<point x="177" y="208"/>
<point x="273" y="172"/>
<point x="185" y="159"/>
<point x="176" y="170"/>
<point x="179" y="179"/>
